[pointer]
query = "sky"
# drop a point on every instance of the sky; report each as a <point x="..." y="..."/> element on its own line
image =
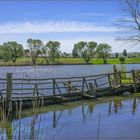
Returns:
<point x="66" y="21"/>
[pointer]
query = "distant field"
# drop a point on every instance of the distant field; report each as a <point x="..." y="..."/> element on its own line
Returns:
<point x="100" y="61"/>
<point x="116" y="61"/>
<point x="41" y="61"/>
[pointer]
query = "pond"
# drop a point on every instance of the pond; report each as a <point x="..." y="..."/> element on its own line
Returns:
<point x="114" y="118"/>
<point x="60" y="70"/>
<point x="54" y="71"/>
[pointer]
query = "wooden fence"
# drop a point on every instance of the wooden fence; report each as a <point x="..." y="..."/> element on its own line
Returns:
<point x="12" y="89"/>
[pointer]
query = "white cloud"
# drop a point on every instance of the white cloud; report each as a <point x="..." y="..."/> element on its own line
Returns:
<point x="53" y="26"/>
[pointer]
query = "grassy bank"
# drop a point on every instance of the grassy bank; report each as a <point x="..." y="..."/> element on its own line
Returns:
<point x="41" y="61"/>
<point x="116" y="61"/>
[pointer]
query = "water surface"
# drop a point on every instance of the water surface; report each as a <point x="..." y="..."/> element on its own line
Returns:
<point x="86" y="120"/>
<point x="60" y="70"/>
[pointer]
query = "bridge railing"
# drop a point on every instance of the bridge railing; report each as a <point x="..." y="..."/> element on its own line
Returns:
<point x="25" y="87"/>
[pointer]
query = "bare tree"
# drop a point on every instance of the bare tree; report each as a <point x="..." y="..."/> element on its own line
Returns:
<point x="130" y="22"/>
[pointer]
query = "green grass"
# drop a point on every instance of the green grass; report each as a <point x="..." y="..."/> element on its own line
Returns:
<point x="71" y="60"/>
<point x="116" y="61"/>
<point x="41" y="61"/>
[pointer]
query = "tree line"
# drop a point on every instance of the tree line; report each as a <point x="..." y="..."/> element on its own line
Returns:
<point x="50" y="51"/>
<point x="89" y="50"/>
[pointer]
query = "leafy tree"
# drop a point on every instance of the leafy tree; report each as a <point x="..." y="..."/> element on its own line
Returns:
<point x="121" y="59"/>
<point x="35" y="46"/>
<point x="78" y="47"/>
<point x="4" y="53"/>
<point x="103" y="51"/>
<point x="58" y="54"/>
<point x="11" y="51"/>
<point x="84" y="50"/>
<point x="125" y="52"/>
<point x="0" y="52"/>
<point x="92" y="48"/>
<point x="45" y="53"/>
<point x="53" y="49"/>
<point x="26" y="52"/>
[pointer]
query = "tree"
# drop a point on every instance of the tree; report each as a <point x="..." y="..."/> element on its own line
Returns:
<point x="103" y="51"/>
<point x="45" y="53"/>
<point x="116" y="55"/>
<point x="92" y="48"/>
<point x="78" y="47"/>
<point x="53" y="49"/>
<point x="27" y="53"/>
<point x="125" y="52"/>
<point x="130" y="21"/>
<point x="11" y="51"/>
<point x="121" y="59"/>
<point x="1" y="52"/>
<point x="35" y="46"/>
<point x="84" y="50"/>
<point x="4" y="53"/>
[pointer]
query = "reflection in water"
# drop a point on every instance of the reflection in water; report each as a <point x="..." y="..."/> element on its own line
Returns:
<point x="69" y="111"/>
<point x="86" y="109"/>
<point x="134" y="106"/>
<point x="32" y="132"/>
<point x="49" y="125"/>
<point x="91" y="107"/>
<point x="84" y="114"/>
<point x="9" y="130"/>
<point x="54" y="119"/>
<point x="117" y="104"/>
<point x="110" y="107"/>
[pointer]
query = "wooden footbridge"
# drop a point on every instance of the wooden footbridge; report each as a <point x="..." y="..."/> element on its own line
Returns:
<point x="27" y="91"/>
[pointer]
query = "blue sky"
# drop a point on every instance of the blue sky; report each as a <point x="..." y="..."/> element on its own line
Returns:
<point x="62" y="20"/>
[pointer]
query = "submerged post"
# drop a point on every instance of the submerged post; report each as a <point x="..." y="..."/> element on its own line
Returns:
<point x="9" y="91"/>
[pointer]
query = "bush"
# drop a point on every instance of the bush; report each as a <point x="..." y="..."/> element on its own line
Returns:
<point x="121" y="59"/>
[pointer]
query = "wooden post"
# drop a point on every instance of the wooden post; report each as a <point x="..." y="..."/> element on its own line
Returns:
<point x="53" y="86"/>
<point x="69" y="87"/>
<point x="35" y="93"/>
<point x="92" y="90"/>
<point x="120" y="77"/>
<point x="9" y="91"/>
<point x="83" y="85"/>
<point x="95" y="83"/>
<point x="109" y="81"/>
<point x="134" y="80"/>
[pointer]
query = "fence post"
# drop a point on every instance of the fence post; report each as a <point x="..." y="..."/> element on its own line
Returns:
<point x="109" y="81"/>
<point x="9" y="91"/>
<point x="35" y="90"/>
<point x="134" y="81"/>
<point x="92" y="90"/>
<point x="83" y="85"/>
<point x="120" y="77"/>
<point x="53" y="86"/>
